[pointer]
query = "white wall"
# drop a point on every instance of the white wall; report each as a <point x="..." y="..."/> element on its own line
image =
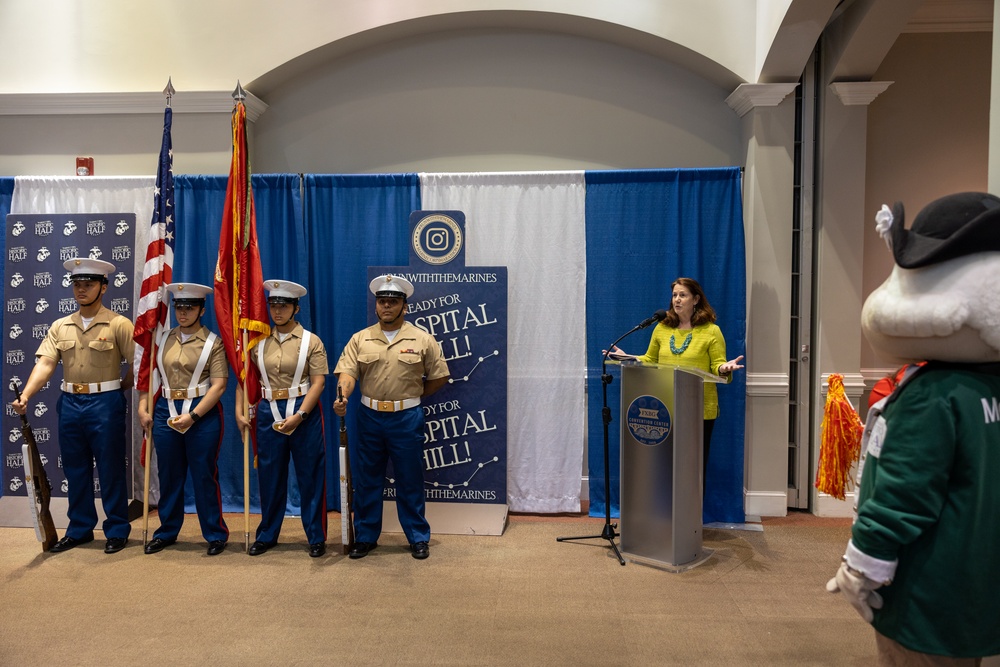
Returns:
<point x="123" y="45"/>
<point x="928" y="136"/>
<point x="495" y="101"/>
<point x="121" y="144"/>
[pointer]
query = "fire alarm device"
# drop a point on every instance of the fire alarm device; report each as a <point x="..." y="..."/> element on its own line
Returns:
<point x="85" y="166"/>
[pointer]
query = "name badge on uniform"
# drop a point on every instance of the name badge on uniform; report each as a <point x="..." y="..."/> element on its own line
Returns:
<point x="877" y="437"/>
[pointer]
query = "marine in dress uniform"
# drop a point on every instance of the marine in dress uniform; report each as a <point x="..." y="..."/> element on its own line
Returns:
<point x="293" y="368"/>
<point x="396" y="363"/>
<point x="92" y="345"/>
<point x="187" y="420"/>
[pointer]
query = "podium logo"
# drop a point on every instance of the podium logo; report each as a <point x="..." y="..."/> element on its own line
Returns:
<point x="648" y="420"/>
<point x="437" y="239"/>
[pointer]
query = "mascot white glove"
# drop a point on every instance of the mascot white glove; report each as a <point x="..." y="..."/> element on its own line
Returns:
<point x="858" y="589"/>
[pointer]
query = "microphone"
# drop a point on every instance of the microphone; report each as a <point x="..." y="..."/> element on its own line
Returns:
<point x="656" y="317"/>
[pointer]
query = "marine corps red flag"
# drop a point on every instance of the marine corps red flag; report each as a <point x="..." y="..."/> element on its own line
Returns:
<point x="240" y="304"/>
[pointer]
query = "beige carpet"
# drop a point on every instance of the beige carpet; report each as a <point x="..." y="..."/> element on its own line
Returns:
<point x="518" y="599"/>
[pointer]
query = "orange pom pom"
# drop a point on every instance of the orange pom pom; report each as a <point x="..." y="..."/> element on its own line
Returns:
<point x="840" y="440"/>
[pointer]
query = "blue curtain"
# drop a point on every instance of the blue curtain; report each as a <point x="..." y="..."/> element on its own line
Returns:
<point x="324" y="231"/>
<point x="6" y="194"/>
<point x="352" y="222"/>
<point x="320" y="231"/>
<point x="281" y="236"/>
<point x="644" y="229"/>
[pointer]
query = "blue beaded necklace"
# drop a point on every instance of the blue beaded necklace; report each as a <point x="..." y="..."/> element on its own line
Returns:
<point x="679" y="350"/>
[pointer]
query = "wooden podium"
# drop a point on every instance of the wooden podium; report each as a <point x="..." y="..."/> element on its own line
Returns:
<point x="662" y="412"/>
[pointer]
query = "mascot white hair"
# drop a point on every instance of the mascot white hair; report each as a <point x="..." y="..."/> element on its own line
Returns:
<point x="942" y="300"/>
<point x="923" y="562"/>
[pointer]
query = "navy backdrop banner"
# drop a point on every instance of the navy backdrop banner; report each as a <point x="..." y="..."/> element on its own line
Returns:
<point x="465" y="309"/>
<point x="645" y="229"/>
<point x="6" y="195"/>
<point x="37" y="292"/>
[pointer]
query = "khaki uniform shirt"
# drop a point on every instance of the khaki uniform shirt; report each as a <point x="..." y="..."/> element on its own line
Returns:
<point x="392" y="371"/>
<point x="181" y="357"/>
<point x="280" y="358"/>
<point x="94" y="355"/>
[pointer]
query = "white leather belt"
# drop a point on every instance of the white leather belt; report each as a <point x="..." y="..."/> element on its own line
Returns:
<point x="90" y="387"/>
<point x="291" y="392"/>
<point x="390" y="406"/>
<point x="191" y="392"/>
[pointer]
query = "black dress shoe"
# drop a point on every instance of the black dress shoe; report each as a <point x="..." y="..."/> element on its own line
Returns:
<point x="158" y="544"/>
<point x="67" y="543"/>
<point x="361" y="549"/>
<point x="420" y="550"/>
<point x="258" y="547"/>
<point x="216" y="547"/>
<point x="317" y="550"/>
<point x="115" y="544"/>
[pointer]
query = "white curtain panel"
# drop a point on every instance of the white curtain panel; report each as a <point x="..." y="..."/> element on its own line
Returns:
<point x="533" y="223"/>
<point x="99" y="194"/>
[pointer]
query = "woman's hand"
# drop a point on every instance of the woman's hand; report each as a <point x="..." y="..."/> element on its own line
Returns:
<point x="290" y="424"/>
<point x="242" y="422"/>
<point x="182" y="422"/>
<point x="731" y="365"/>
<point x="617" y="353"/>
<point x="145" y="419"/>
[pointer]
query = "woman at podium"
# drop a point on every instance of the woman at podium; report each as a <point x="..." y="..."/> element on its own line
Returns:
<point x="688" y="336"/>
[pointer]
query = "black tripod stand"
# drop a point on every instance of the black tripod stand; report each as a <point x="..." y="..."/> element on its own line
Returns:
<point x="609" y="532"/>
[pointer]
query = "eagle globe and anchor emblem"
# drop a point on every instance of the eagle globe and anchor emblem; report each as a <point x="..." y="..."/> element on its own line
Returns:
<point x="648" y="420"/>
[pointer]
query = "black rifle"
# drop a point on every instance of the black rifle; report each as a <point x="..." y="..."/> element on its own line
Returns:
<point x="39" y="491"/>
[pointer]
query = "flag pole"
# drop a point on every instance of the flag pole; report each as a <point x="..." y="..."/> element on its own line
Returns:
<point x="238" y="96"/>
<point x="147" y="462"/>
<point x="168" y="92"/>
<point x="246" y="445"/>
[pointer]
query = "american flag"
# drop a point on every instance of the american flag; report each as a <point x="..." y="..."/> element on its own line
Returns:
<point x="158" y="270"/>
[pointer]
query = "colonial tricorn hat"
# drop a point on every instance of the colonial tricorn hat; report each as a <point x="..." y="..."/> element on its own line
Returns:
<point x="952" y="226"/>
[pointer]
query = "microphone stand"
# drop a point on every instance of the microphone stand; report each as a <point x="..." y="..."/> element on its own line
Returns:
<point x="609" y="533"/>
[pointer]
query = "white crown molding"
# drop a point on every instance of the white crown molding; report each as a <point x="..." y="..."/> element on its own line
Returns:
<point x="873" y="375"/>
<point x="858" y="93"/>
<point x="767" y="384"/>
<point x="749" y="96"/>
<point x="45" y="104"/>
<point x="854" y="384"/>
<point x="952" y="16"/>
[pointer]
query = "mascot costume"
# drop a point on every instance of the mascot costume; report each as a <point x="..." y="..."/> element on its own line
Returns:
<point x="923" y="562"/>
